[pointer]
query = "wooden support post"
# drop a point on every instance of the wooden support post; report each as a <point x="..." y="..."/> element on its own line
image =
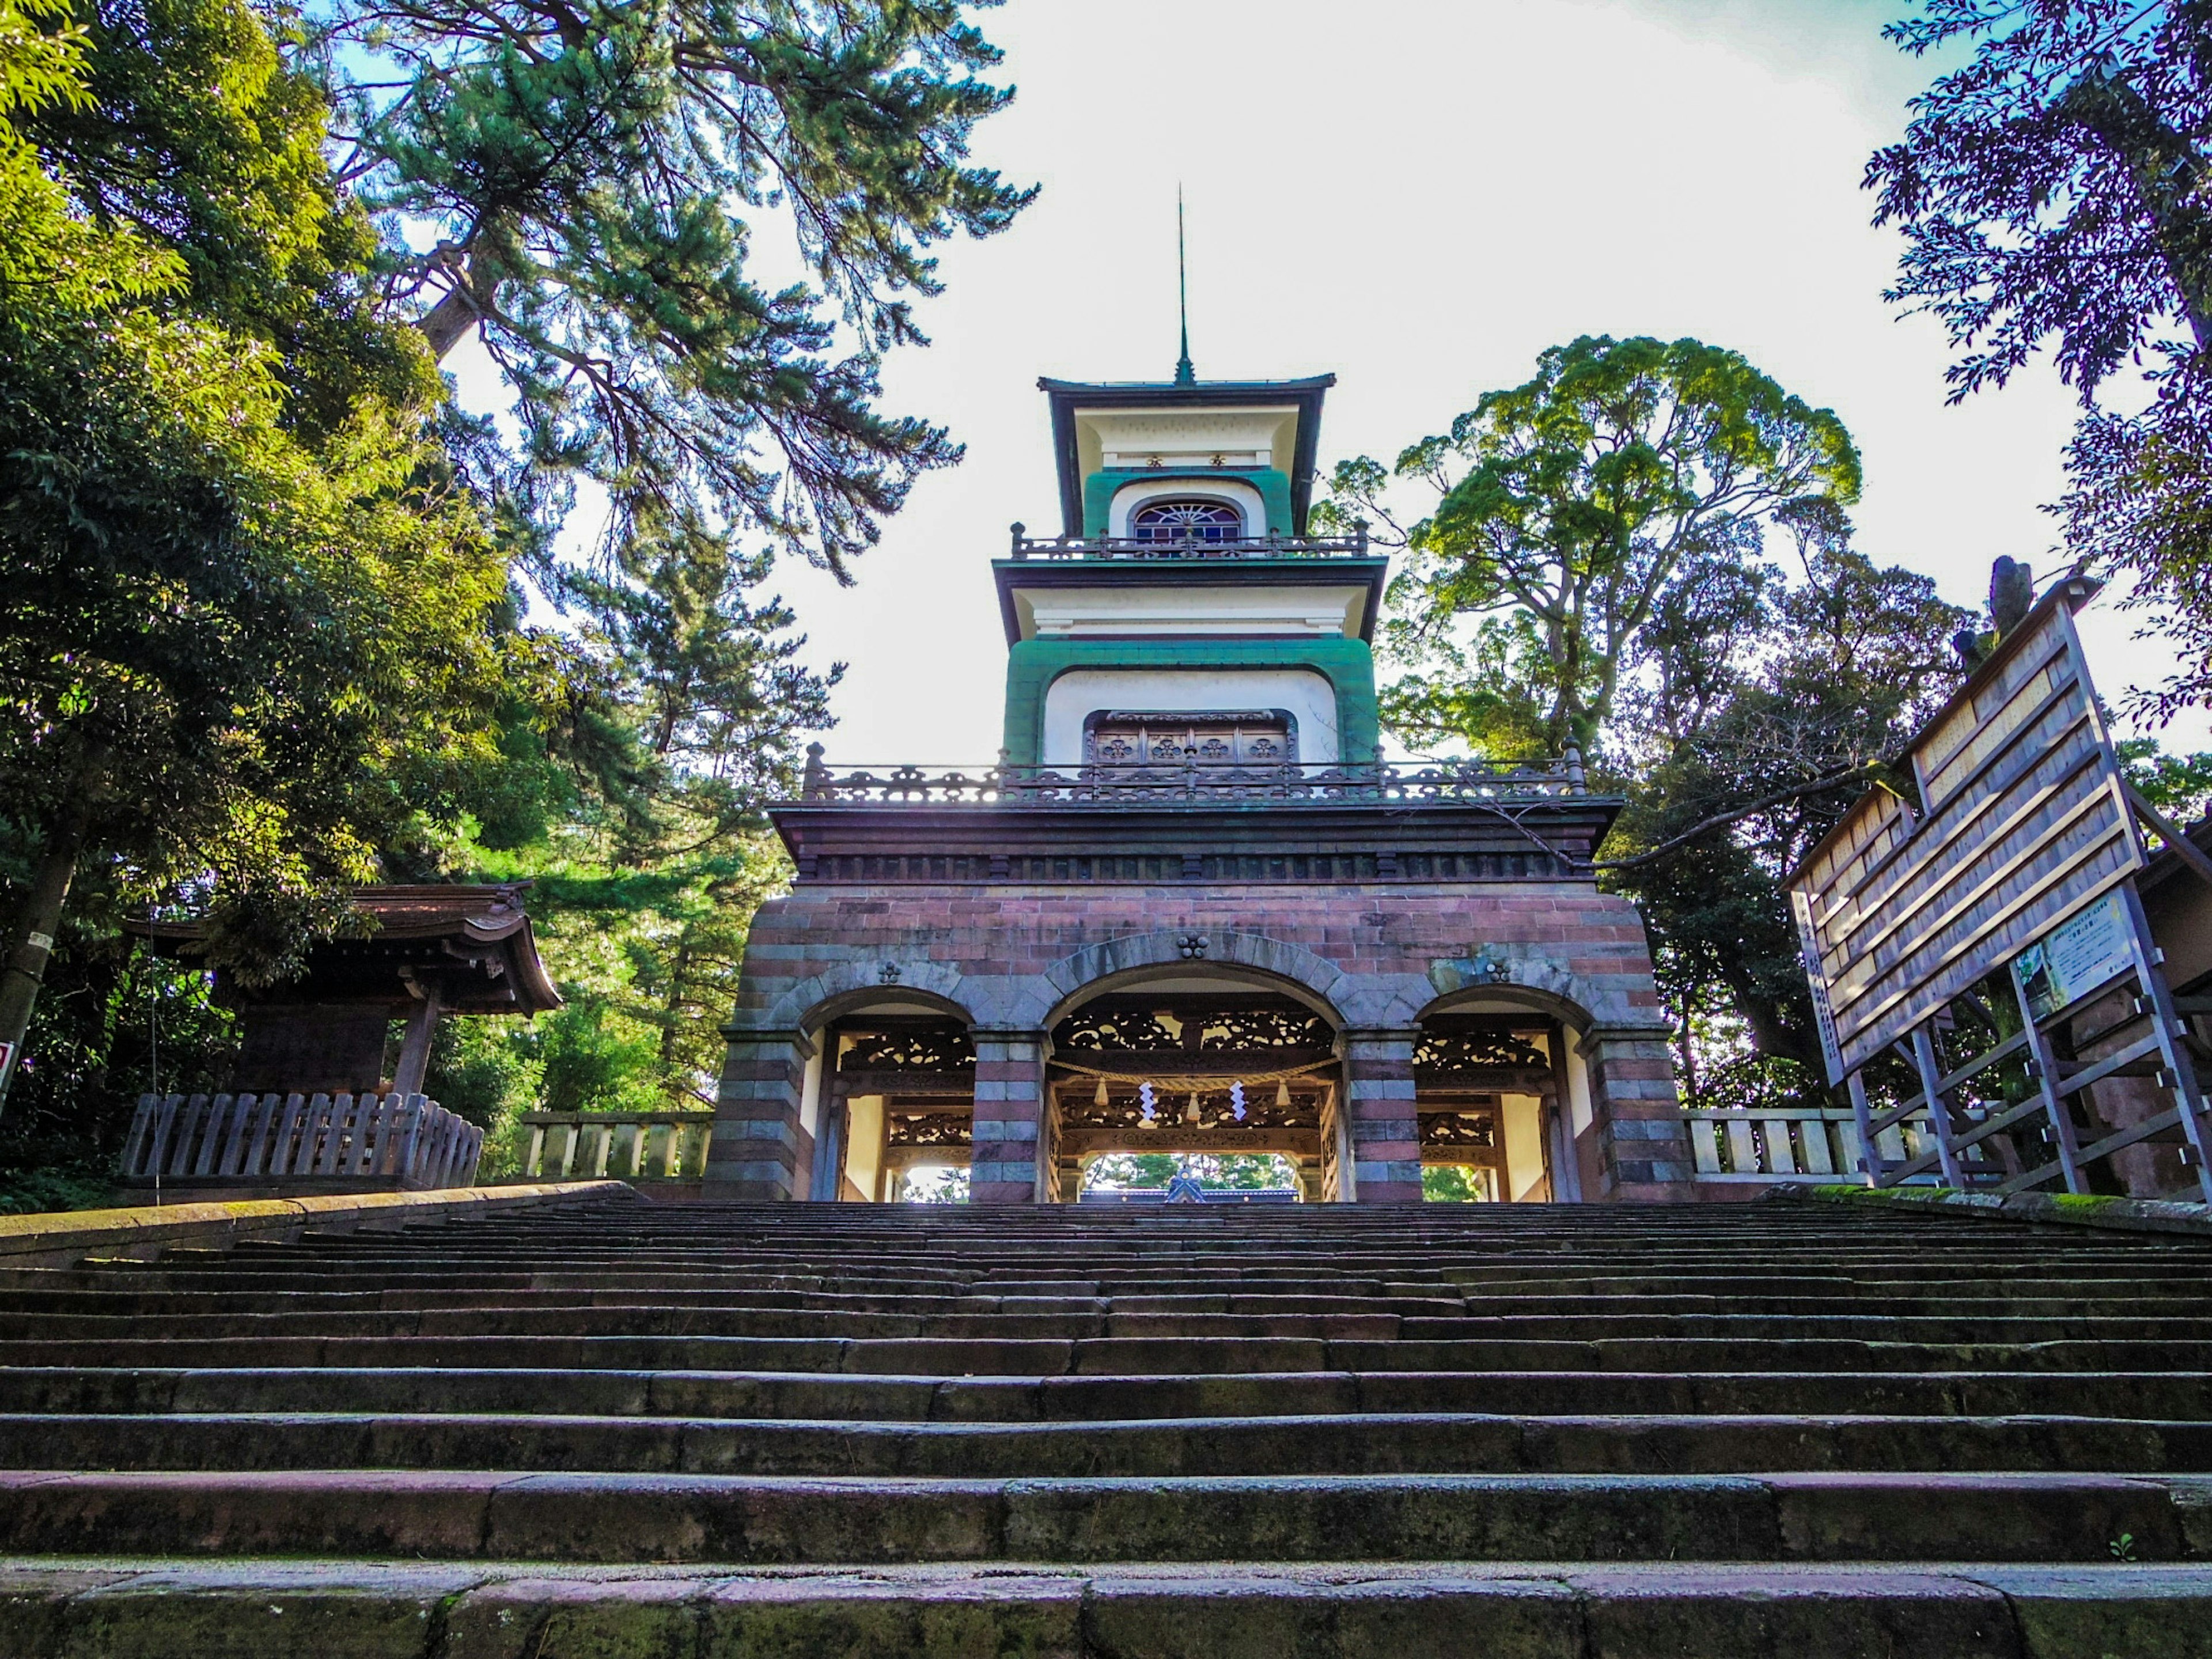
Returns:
<point x="1939" y="1110"/>
<point x="415" y="1047"/>
<point x="2046" y="1065"/>
<point x="2180" y="1069"/>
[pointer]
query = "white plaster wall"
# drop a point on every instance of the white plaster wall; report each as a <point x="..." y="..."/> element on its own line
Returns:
<point x="1579" y="1112"/>
<point x="1524" y="1146"/>
<point x="1075" y="612"/>
<point x="810" y="1093"/>
<point x="1234" y="491"/>
<point x="1249" y="436"/>
<point x="864" y="1142"/>
<point x="1309" y="696"/>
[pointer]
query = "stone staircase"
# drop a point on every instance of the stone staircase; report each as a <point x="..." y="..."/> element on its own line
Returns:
<point x="781" y="1432"/>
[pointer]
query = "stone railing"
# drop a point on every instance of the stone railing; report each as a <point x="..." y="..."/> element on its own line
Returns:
<point x="1770" y="1144"/>
<point x="1467" y="781"/>
<point x="629" y="1145"/>
<point x="298" y="1142"/>
<point x="1026" y="546"/>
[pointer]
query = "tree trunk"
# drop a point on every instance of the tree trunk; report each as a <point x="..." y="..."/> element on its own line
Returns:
<point x="448" y="322"/>
<point x="31" y="940"/>
<point x="2162" y="165"/>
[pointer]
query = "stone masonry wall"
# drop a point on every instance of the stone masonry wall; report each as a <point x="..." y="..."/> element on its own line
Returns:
<point x="1007" y="958"/>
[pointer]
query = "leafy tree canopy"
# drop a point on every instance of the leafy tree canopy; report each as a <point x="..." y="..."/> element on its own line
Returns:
<point x="2051" y="191"/>
<point x="245" y="631"/>
<point x="575" y="180"/>
<point x="1751" y="695"/>
<point x="1562" y="513"/>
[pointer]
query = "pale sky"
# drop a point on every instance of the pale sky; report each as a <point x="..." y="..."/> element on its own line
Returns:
<point x="1419" y="195"/>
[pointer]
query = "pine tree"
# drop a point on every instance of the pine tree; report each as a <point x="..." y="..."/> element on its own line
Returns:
<point x="576" y="182"/>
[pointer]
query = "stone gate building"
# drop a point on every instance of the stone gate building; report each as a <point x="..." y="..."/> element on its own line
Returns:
<point x="1191" y="907"/>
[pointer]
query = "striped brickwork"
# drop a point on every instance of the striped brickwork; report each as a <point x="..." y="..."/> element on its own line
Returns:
<point x="1009" y="1102"/>
<point x="1386" y="1137"/>
<point x="758" y="1149"/>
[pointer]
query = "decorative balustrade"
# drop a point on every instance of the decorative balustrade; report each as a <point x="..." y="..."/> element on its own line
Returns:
<point x="628" y="1146"/>
<point x="1151" y="784"/>
<point x="1354" y="546"/>
<point x="299" y="1142"/>
<point x="1771" y="1144"/>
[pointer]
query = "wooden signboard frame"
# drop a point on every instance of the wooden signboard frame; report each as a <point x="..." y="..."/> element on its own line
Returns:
<point x="2021" y="856"/>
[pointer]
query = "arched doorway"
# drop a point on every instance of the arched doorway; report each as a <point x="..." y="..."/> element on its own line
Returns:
<point x="897" y="1092"/>
<point x="1493" y="1092"/>
<point x="1195" y="1061"/>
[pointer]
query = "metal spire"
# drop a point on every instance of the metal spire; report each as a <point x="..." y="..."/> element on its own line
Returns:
<point x="1183" y="374"/>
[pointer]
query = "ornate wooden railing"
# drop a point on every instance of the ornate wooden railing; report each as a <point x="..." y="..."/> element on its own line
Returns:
<point x="1473" y="781"/>
<point x="298" y="1141"/>
<point x="629" y="1145"/>
<point x="1026" y="546"/>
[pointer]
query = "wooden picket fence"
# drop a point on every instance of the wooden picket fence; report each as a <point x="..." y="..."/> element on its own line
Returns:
<point x="406" y="1142"/>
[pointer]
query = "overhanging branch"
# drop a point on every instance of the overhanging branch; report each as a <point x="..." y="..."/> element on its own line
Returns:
<point x="1866" y="773"/>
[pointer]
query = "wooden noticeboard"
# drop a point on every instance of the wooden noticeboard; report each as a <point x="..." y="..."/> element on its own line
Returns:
<point x="2024" y="820"/>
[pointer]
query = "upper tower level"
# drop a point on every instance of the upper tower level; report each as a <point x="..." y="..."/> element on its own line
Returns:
<point x="1183" y="613"/>
<point x="1245" y="447"/>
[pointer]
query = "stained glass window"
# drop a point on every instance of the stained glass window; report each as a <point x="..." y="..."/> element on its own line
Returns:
<point x="1186" y="521"/>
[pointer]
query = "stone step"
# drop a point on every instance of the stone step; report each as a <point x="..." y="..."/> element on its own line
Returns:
<point x="507" y="1515"/>
<point x="1530" y="1609"/>
<point x="308" y="1297"/>
<point x="2177" y="1335"/>
<point x="2181" y="1396"/>
<point x="1102" y="1356"/>
<point x="1363" y="1444"/>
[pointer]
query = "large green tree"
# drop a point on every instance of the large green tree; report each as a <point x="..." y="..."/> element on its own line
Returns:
<point x="1557" y="517"/>
<point x="580" y="185"/>
<point x="1763" y="704"/>
<point x="246" y="623"/>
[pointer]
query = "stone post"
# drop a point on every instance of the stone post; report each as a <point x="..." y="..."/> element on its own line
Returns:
<point x="757" y="1149"/>
<point x="1647" y="1150"/>
<point x="1386" y="1134"/>
<point x="1002" y="1167"/>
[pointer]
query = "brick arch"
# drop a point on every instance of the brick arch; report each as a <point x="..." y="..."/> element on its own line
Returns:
<point x="1536" y="981"/>
<point x="851" y="984"/>
<point x="1046" y="997"/>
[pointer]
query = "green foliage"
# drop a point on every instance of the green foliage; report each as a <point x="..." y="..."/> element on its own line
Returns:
<point x="1228" y="1171"/>
<point x="1566" y="510"/>
<point x="574" y="181"/>
<point x="1452" y="1184"/>
<point x="2179" y="786"/>
<point x="1754" y="686"/>
<point x="258" y="636"/>
<point x="244" y="627"/>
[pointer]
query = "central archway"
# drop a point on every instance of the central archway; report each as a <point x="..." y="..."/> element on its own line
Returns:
<point x="1194" y="1058"/>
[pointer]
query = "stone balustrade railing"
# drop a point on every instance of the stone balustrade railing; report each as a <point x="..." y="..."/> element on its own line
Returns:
<point x="298" y="1142"/>
<point x="1772" y="1143"/>
<point x="1471" y="781"/>
<point x="629" y="1145"/>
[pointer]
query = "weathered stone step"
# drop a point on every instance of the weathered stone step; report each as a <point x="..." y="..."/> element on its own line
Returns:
<point x="1102" y="1356"/>
<point x="1437" y="1610"/>
<point x="1362" y="1444"/>
<point x="2178" y="1396"/>
<point x="149" y="1303"/>
<point x="649" y="1320"/>
<point x="599" y="1517"/>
